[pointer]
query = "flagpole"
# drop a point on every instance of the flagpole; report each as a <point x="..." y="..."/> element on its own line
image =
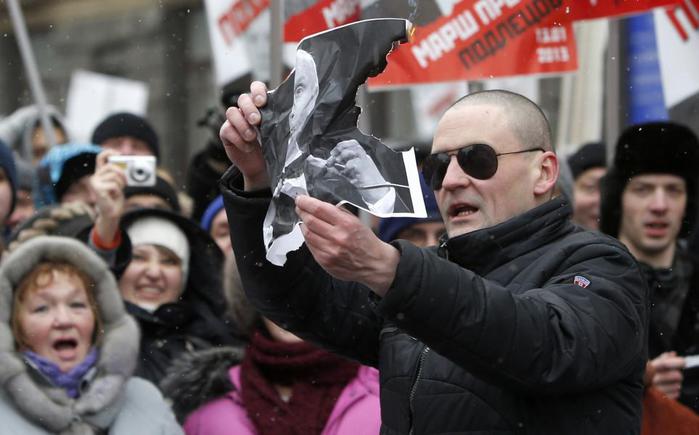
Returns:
<point x="32" y="70"/>
<point x="276" y="43"/>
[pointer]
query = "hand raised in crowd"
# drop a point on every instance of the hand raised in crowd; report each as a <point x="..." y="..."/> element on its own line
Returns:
<point x="345" y="247"/>
<point x="668" y="374"/>
<point x="239" y="137"/>
<point x="108" y="183"/>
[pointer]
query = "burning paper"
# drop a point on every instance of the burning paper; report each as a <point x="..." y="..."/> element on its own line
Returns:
<point x="311" y="142"/>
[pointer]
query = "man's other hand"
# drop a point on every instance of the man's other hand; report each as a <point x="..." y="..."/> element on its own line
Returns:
<point x="239" y="137"/>
<point x="668" y="374"/>
<point x="346" y="248"/>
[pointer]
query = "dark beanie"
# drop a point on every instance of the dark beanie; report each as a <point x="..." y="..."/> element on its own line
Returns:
<point x="591" y="155"/>
<point x="62" y="166"/>
<point x="161" y="189"/>
<point x="389" y="228"/>
<point x="211" y="211"/>
<point x="73" y="170"/>
<point x="7" y="163"/>
<point x="651" y="148"/>
<point x="127" y="124"/>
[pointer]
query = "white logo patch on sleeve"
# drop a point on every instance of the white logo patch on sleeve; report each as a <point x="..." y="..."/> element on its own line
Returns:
<point x="581" y="281"/>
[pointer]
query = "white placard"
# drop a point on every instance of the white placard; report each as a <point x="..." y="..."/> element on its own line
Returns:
<point x="92" y="97"/>
<point x="678" y="51"/>
<point x="239" y="35"/>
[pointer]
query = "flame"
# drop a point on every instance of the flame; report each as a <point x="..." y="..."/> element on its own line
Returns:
<point x="410" y="31"/>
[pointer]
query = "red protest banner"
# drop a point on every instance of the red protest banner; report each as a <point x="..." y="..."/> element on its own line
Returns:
<point x="690" y="10"/>
<point x="323" y="15"/>
<point x="589" y="9"/>
<point x="237" y="18"/>
<point x="484" y="39"/>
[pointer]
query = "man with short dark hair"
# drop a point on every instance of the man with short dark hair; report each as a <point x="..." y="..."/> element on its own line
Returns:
<point x="649" y="203"/>
<point x="520" y="322"/>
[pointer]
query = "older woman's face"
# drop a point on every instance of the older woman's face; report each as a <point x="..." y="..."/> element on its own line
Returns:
<point x="153" y="278"/>
<point x="57" y="322"/>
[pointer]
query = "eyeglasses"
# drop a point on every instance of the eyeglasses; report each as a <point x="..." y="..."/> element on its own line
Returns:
<point x="478" y="161"/>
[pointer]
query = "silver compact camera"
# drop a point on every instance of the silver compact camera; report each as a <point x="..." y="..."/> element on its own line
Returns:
<point x="139" y="170"/>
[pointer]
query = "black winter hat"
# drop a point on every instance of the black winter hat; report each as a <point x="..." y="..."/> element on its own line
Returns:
<point x="73" y="170"/>
<point x="127" y="124"/>
<point x="591" y="155"/>
<point x="652" y="148"/>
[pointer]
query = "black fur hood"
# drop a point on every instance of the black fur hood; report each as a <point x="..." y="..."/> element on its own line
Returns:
<point x="199" y="377"/>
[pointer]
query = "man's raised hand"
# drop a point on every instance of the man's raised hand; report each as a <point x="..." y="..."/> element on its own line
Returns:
<point x="239" y="137"/>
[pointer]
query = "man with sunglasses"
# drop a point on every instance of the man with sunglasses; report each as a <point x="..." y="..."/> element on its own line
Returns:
<point x="520" y="322"/>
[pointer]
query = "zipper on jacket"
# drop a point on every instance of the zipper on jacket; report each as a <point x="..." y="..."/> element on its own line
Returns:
<point x="442" y="249"/>
<point x="413" y="388"/>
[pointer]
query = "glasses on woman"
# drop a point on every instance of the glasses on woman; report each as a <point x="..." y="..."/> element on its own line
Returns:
<point x="477" y="160"/>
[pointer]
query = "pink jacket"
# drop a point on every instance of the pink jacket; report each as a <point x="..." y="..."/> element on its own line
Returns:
<point x="356" y="412"/>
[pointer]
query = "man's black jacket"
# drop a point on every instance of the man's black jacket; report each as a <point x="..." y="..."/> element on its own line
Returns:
<point x="532" y="326"/>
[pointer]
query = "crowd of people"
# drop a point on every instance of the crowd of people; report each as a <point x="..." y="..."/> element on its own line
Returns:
<point x="519" y="305"/>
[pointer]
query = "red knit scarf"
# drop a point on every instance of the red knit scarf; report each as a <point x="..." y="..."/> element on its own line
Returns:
<point x="315" y="376"/>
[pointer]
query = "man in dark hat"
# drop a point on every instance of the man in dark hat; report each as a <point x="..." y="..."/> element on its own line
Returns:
<point x="128" y="134"/>
<point x="587" y="166"/>
<point x="649" y="203"/>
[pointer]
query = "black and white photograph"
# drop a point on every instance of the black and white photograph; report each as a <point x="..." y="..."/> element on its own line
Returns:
<point x="312" y="144"/>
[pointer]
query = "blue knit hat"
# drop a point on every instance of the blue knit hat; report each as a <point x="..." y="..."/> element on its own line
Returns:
<point x="211" y="211"/>
<point x="61" y="166"/>
<point x="7" y="163"/>
<point x="389" y="228"/>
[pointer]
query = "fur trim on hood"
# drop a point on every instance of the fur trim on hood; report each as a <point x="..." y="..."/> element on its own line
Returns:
<point x="651" y="148"/>
<point x="119" y="347"/>
<point x="199" y="377"/>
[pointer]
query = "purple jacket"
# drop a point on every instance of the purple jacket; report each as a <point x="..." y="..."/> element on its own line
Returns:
<point x="356" y="412"/>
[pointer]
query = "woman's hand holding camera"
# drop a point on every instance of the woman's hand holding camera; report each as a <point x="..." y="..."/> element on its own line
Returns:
<point x="108" y="183"/>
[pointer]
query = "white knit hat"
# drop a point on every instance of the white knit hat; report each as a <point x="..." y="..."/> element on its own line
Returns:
<point x="161" y="232"/>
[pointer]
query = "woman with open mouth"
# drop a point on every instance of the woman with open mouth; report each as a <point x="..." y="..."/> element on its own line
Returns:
<point x="68" y="348"/>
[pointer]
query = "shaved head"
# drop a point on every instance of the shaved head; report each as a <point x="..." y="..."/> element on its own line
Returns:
<point x="526" y="120"/>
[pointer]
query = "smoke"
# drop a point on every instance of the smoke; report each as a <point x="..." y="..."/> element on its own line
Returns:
<point x="413" y="13"/>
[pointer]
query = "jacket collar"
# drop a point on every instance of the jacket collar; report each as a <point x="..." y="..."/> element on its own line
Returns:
<point x="484" y="250"/>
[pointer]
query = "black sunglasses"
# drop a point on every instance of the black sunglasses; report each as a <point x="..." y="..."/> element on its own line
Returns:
<point x="478" y="161"/>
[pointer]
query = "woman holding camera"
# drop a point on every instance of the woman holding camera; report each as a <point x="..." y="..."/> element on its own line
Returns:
<point x="172" y="285"/>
